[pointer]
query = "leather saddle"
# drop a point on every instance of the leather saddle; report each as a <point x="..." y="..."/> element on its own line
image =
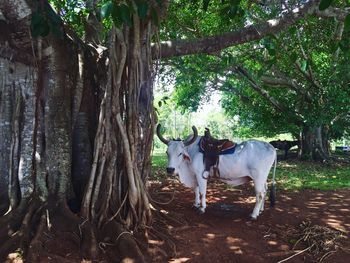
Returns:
<point x="212" y="148"/>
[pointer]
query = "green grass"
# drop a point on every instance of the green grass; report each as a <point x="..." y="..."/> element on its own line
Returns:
<point x="159" y="160"/>
<point x="307" y="175"/>
<point x="291" y="175"/>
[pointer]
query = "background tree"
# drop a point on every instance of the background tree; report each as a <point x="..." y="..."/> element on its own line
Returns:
<point x="284" y="83"/>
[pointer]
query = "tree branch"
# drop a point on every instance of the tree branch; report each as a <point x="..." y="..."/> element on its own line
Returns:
<point x="280" y="82"/>
<point x="208" y="45"/>
<point x="288" y="83"/>
<point x="264" y="93"/>
<point x="340" y="116"/>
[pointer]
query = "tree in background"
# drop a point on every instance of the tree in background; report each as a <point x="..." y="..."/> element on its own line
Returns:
<point x="296" y="81"/>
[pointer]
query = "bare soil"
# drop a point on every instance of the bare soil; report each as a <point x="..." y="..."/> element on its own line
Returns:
<point x="225" y="233"/>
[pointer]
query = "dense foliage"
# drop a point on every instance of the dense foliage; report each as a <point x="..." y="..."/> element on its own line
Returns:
<point x="279" y="84"/>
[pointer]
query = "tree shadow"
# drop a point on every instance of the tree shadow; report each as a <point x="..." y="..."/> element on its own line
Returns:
<point x="226" y="234"/>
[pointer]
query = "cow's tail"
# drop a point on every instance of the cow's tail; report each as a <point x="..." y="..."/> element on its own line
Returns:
<point x="273" y="185"/>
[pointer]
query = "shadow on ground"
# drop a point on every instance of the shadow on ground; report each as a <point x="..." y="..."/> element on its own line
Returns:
<point x="226" y="234"/>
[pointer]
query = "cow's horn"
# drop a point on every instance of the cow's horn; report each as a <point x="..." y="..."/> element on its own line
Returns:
<point x="160" y="136"/>
<point x="194" y="137"/>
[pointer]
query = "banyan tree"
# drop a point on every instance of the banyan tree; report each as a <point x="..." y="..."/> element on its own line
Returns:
<point x="77" y="120"/>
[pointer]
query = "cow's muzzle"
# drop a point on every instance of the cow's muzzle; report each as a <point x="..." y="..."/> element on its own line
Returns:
<point x="170" y="170"/>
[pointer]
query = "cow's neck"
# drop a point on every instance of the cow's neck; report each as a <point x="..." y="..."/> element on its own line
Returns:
<point x="186" y="175"/>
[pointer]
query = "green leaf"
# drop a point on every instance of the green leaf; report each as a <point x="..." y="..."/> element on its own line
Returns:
<point x="205" y="4"/>
<point x="106" y="10"/>
<point x="347" y="23"/>
<point x="142" y="9"/>
<point x="303" y="65"/>
<point x="324" y="4"/>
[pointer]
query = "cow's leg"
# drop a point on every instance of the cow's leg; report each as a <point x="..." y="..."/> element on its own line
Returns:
<point x="263" y="202"/>
<point x="197" y="201"/>
<point x="203" y="191"/>
<point x="260" y="193"/>
<point x="198" y="168"/>
<point x="202" y="185"/>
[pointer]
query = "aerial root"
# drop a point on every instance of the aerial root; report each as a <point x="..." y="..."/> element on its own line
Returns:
<point x="321" y="241"/>
<point x="159" y="202"/>
<point x="20" y="237"/>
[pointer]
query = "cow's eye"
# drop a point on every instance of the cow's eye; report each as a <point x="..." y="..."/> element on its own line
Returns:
<point x="179" y="154"/>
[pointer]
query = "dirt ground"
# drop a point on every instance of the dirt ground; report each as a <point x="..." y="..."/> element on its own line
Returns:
<point x="226" y="234"/>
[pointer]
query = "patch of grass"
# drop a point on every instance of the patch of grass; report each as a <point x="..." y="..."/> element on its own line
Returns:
<point x="291" y="174"/>
<point x="159" y="160"/>
<point x="159" y="163"/>
<point x="295" y="175"/>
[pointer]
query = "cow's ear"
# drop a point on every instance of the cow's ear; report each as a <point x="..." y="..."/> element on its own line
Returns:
<point x="186" y="157"/>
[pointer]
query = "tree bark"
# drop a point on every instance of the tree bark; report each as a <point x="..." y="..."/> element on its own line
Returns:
<point x="212" y="44"/>
<point x="314" y="143"/>
<point x="6" y="111"/>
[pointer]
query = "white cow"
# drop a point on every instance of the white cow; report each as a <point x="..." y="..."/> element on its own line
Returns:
<point x="252" y="160"/>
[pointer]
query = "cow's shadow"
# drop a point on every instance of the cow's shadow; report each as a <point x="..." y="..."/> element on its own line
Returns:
<point x="229" y="211"/>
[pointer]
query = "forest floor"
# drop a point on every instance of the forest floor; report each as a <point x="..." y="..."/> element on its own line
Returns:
<point x="226" y="234"/>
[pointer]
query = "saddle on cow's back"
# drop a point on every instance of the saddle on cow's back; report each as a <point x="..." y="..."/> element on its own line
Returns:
<point x="212" y="148"/>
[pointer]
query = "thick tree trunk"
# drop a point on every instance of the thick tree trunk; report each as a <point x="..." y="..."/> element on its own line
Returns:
<point x="74" y="128"/>
<point x="6" y="111"/>
<point x="314" y="143"/>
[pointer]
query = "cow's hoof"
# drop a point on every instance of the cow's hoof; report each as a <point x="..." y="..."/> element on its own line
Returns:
<point x="200" y="211"/>
<point x="195" y="207"/>
<point x="252" y="217"/>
